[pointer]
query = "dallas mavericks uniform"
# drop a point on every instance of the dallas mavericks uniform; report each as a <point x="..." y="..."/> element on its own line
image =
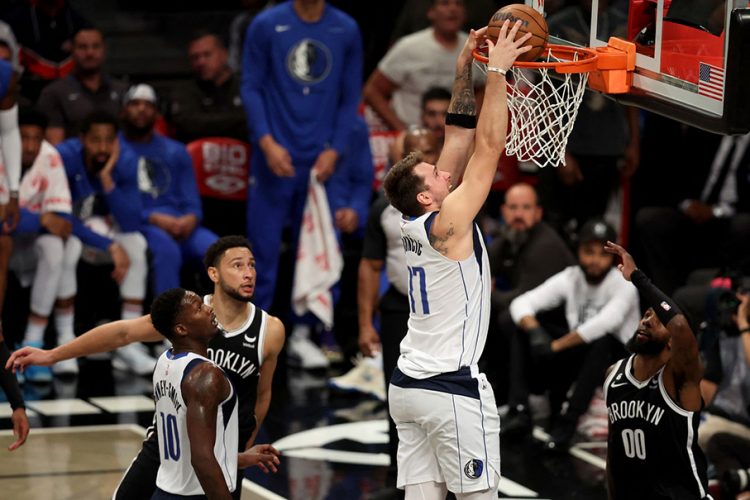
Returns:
<point x="240" y="354"/>
<point x="652" y="449"/>
<point x="176" y="474"/>
<point x="444" y="409"/>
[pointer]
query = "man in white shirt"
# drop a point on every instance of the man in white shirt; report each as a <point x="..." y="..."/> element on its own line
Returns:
<point x="602" y="312"/>
<point x="416" y="63"/>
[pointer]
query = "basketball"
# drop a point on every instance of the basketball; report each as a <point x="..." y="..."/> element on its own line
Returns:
<point x="531" y="22"/>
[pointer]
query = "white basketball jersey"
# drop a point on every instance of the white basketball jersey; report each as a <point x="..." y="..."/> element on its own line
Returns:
<point x="176" y="474"/>
<point x="449" y="301"/>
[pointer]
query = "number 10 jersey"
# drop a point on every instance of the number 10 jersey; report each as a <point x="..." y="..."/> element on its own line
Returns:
<point x="176" y="474"/>
<point x="449" y="302"/>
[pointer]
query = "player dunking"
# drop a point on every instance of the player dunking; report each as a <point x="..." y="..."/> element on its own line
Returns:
<point x="444" y="409"/>
<point x="654" y="403"/>
<point x="247" y="349"/>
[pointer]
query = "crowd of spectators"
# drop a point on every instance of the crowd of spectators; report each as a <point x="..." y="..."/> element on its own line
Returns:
<point x="110" y="180"/>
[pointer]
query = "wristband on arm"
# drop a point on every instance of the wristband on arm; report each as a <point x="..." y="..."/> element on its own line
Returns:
<point x="663" y="306"/>
<point x="459" y="120"/>
<point x="8" y="380"/>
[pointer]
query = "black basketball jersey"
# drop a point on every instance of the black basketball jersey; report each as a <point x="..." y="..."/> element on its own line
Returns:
<point x="652" y="449"/>
<point x="239" y="352"/>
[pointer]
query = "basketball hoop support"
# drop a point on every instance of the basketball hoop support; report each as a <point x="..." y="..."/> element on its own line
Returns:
<point x="614" y="67"/>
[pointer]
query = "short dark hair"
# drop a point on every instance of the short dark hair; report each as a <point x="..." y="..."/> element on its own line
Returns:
<point x="435" y="94"/>
<point x="28" y="115"/>
<point x="216" y="250"/>
<point x="165" y="309"/>
<point x="202" y="33"/>
<point x="402" y="185"/>
<point x="98" y="117"/>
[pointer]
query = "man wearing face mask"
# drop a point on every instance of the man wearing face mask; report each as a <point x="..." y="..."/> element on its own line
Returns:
<point x="601" y="311"/>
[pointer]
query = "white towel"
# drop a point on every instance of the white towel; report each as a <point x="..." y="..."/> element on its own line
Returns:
<point x="319" y="260"/>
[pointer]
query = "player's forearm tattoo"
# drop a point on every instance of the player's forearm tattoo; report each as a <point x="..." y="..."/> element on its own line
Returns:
<point x="439" y="243"/>
<point x="462" y="97"/>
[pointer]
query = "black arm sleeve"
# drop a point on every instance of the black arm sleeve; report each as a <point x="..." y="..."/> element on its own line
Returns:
<point x="663" y="306"/>
<point x="8" y="380"/>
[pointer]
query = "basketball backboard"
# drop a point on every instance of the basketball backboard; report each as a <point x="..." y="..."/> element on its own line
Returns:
<point x="692" y="61"/>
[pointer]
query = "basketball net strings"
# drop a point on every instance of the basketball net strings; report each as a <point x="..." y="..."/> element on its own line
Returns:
<point x="542" y="113"/>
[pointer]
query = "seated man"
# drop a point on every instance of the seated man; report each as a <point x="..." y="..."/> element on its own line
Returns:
<point x="434" y="109"/>
<point x="45" y="253"/>
<point x="602" y="313"/>
<point x="103" y="181"/>
<point x="169" y="193"/>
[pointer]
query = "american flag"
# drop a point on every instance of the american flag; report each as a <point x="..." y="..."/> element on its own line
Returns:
<point x="711" y="81"/>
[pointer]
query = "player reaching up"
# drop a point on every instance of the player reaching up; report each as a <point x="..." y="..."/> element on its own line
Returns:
<point x="654" y="403"/>
<point x="444" y="409"/>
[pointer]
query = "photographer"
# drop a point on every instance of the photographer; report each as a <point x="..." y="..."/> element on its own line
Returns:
<point x="726" y="383"/>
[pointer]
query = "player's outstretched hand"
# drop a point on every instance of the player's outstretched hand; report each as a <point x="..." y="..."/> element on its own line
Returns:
<point x="475" y="38"/>
<point x="27" y="356"/>
<point x="503" y="53"/>
<point x="20" y="428"/>
<point x="627" y="266"/>
<point x="265" y="456"/>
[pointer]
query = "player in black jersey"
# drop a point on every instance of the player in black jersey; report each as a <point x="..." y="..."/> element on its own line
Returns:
<point x="247" y="350"/>
<point x="654" y="403"/>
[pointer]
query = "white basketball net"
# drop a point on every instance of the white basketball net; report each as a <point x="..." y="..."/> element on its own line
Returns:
<point x="542" y="113"/>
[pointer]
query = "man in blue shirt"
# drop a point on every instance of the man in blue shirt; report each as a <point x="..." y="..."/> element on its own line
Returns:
<point x="103" y="180"/>
<point x="171" y="206"/>
<point x="301" y="84"/>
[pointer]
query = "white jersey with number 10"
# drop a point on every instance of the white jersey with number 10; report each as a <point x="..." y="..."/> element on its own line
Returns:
<point x="176" y="473"/>
<point x="449" y="302"/>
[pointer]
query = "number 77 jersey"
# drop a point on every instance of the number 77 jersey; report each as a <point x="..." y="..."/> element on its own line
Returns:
<point x="652" y="448"/>
<point x="449" y="303"/>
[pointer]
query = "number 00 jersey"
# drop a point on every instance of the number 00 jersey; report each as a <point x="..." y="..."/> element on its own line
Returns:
<point x="652" y="450"/>
<point x="449" y="301"/>
<point x="176" y="474"/>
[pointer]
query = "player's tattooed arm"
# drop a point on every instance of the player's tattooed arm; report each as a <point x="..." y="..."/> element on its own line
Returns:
<point x="440" y="243"/>
<point x="462" y="97"/>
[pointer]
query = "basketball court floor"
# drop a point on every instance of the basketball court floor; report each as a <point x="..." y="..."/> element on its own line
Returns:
<point x="86" y="431"/>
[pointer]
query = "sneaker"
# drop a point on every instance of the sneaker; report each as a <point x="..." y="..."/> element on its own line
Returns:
<point x="69" y="367"/>
<point x="561" y="433"/>
<point x="303" y="353"/>
<point x="517" y="424"/>
<point x="368" y="409"/>
<point x="366" y="377"/>
<point x="37" y="374"/>
<point x="133" y="358"/>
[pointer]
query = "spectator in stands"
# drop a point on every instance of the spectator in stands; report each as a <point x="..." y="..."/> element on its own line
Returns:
<point x="713" y="220"/>
<point x="44" y="30"/>
<point x="238" y="29"/>
<point x="170" y="201"/>
<point x="209" y="105"/>
<point x="434" y="109"/>
<point x="602" y="313"/>
<point x="103" y="179"/>
<point x="523" y="253"/>
<point x="45" y="252"/>
<point x="526" y="251"/>
<point x="301" y="85"/>
<point x="726" y="382"/>
<point x="414" y="16"/>
<point x="416" y="63"/>
<point x="606" y="134"/>
<point x="67" y="101"/>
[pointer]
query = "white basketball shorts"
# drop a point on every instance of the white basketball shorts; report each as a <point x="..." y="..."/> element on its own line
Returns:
<point x="448" y="430"/>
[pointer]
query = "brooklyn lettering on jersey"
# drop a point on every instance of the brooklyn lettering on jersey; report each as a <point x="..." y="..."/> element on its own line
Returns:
<point x="232" y="361"/>
<point x="411" y="245"/>
<point x="635" y="409"/>
<point x="164" y="389"/>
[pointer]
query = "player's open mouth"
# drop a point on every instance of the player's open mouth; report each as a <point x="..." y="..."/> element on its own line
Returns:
<point x="642" y="335"/>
